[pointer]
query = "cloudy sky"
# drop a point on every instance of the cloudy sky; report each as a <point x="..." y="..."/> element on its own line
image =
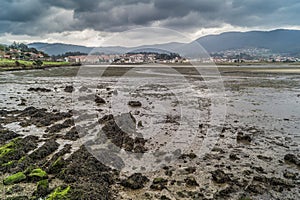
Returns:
<point x="89" y="22"/>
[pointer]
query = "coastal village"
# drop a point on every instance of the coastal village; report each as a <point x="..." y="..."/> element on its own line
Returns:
<point x="20" y="51"/>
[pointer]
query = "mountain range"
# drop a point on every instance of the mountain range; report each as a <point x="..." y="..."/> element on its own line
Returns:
<point x="277" y="41"/>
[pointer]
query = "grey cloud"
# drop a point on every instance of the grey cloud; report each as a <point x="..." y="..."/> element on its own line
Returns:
<point x="39" y="17"/>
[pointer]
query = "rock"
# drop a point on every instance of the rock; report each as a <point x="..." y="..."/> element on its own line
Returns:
<point x="164" y="197"/>
<point x="38" y="89"/>
<point x="190" y="156"/>
<point x="190" y="170"/>
<point x="159" y="183"/>
<point x="135" y="181"/>
<point x="258" y="169"/>
<point x="14" y="189"/>
<point x="219" y="176"/>
<point x="72" y="134"/>
<point x="56" y="128"/>
<point x="6" y="135"/>
<point x="42" y="188"/>
<point x="290" y="175"/>
<point x="46" y="149"/>
<point x="57" y="165"/>
<point x="15" y="178"/>
<point x="292" y="159"/>
<point x="121" y="131"/>
<point x="256" y="189"/>
<point x="135" y="103"/>
<point x="191" y="181"/>
<point x="17" y="198"/>
<point x="69" y="89"/>
<point x="233" y="157"/>
<point x="243" y="138"/>
<point x="99" y="100"/>
<point x="264" y="158"/>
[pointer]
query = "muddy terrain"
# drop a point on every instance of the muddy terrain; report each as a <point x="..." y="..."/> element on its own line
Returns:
<point x="150" y="133"/>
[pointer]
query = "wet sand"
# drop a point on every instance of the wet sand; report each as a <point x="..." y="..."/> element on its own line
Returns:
<point x="61" y="118"/>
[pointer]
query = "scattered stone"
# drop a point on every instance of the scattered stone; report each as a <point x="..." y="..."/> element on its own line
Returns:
<point x="190" y="170"/>
<point x="258" y="169"/>
<point x="69" y="89"/>
<point x="243" y="138"/>
<point x="56" y="128"/>
<point x="290" y="175"/>
<point x="99" y="100"/>
<point x="164" y="197"/>
<point x="191" y="181"/>
<point x="38" y="89"/>
<point x="159" y="183"/>
<point x="135" y="103"/>
<point x="14" y="189"/>
<point x="135" y="181"/>
<point x="42" y="188"/>
<point x="233" y="157"/>
<point x="190" y="156"/>
<point x="256" y="189"/>
<point x="264" y="158"/>
<point x="72" y="134"/>
<point x="292" y="159"/>
<point x="6" y="135"/>
<point x="120" y="130"/>
<point x="46" y="149"/>
<point x="219" y="176"/>
<point x="57" y="165"/>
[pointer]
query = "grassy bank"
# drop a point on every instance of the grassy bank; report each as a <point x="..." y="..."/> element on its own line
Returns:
<point x="11" y="65"/>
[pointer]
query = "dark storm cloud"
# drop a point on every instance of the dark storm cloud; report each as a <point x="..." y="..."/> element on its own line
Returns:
<point x="35" y="17"/>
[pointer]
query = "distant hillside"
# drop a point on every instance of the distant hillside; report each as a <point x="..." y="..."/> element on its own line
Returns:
<point x="59" y="48"/>
<point x="278" y="41"/>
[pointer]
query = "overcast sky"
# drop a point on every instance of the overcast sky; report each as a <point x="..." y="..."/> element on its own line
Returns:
<point x="89" y="22"/>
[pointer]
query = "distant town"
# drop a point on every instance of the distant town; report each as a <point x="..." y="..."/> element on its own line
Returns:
<point x="20" y="51"/>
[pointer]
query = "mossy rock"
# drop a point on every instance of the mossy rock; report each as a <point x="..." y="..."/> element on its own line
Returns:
<point x="42" y="188"/>
<point x="8" y="164"/>
<point x="191" y="181"/>
<point x="159" y="183"/>
<point x="60" y="194"/>
<point x="159" y="180"/>
<point x="8" y="148"/>
<point x="56" y="166"/>
<point x="15" y="178"/>
<point x="18" y="198"/>
<point x="38" y="173"/>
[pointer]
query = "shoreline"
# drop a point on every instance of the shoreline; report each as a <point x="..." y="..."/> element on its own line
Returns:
<point x="19" y="68"/>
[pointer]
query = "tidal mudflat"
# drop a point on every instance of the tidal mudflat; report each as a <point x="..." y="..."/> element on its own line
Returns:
<point x="56" y="123"/>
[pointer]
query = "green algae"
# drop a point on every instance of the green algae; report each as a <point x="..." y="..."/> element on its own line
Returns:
<point x="15" y="178"/>
<point x="59" y="194"/>
<point x="7" y="164"/>
<point x="38" y="172"/>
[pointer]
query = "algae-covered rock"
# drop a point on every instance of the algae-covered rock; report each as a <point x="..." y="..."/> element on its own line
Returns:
<point x="15" y="178"/>
<point x="60" y="194"/>
<point x="135" y="181"/>
<point x="56" y="166"/>
<point x="159" y="183"/>
<point x="42" y="188"/>
<point x="38" y="173"/>
<point x="191" y="181"/>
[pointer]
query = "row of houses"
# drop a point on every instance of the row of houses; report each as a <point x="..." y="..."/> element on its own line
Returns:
<point x="119" y="59"/>
<point x="15" y="54"/>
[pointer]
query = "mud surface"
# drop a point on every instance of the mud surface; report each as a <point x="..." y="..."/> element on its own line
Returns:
<point x="74" y="133"/>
